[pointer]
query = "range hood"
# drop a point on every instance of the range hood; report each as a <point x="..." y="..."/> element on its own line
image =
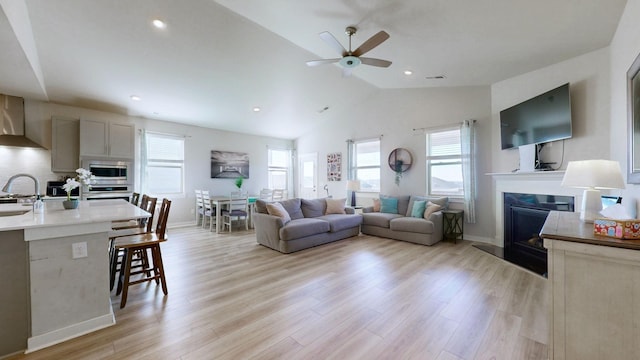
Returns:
<point x="12" y="123"/>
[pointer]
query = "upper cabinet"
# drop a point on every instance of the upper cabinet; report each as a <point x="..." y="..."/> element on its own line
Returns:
<point x="65" y="144"/>
<point x="106" y="139"/>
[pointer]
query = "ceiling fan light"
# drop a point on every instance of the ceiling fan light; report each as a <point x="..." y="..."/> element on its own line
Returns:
<point x="350" y="61"/>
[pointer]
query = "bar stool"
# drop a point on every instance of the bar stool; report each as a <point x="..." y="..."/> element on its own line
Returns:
<point x="153" y="271"/>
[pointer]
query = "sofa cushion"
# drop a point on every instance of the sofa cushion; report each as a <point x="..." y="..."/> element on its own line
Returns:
<point x="312" y="208"/>
<point x="276" y="209"/>
<point x="431" y="208"/>
<point x="293" y="208"/>
<point x="403" y="203"/>
<point x="376" y="205"/>
<point x="417" y="210"/>
<point x="300" y="228"/>
<point x="378" y="219"/>
<point x="339" y="222"/>
<point x="389" y="205"/>
<point x="335" y="206"/>
<point x="411" y="224"/>
<point x="442" y="201"/>
<point x="261" y="206"/>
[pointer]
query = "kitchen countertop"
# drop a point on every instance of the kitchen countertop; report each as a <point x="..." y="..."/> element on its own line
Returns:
<point x="55" y="215"/>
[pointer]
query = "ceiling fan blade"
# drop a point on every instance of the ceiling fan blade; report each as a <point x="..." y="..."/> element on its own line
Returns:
<point x="321" y="62"/>
<point x="346" y="72"/>
<point x="375" y="62"/>
<point x="333" y="42"/>
<point x="371" y="43"/>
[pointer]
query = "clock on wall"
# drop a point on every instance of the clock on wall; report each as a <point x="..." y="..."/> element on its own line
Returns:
<point x="400" y="160"/>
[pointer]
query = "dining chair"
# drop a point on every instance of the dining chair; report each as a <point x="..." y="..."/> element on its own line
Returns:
<point x="278" y="194"/>
<point x="266" y="194"/>
<point x="237" y="208"/>
<point x="199" y="207"/>
<point x="209" y="210"/>
<point x="153" y="270"/>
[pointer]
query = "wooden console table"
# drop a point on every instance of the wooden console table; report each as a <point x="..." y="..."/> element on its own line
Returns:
<point x="594" y="288"/>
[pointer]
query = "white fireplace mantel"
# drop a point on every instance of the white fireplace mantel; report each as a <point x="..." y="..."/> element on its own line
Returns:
<point x="540" y="183"/>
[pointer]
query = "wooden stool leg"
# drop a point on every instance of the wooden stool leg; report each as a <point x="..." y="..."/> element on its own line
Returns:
<point x="159" y="266"/>
<point x="126" y="269"/>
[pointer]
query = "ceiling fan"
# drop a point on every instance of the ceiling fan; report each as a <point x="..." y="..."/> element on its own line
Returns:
<point x="351" y="59"/>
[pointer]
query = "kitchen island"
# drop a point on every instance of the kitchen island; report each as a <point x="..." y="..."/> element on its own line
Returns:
<point x="55" y="266"/>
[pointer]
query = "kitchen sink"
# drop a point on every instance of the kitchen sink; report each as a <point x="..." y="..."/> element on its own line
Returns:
<point x="13" y="212"/>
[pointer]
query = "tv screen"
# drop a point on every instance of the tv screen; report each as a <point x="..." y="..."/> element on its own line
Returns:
<point x="544" y="118"/>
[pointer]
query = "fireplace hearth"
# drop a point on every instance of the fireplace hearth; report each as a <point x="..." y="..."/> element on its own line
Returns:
<point x="524" y="216"/>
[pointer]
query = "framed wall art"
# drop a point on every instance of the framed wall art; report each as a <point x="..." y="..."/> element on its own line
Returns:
<point x="334" y="167"/>
<point x="229" y="165"/>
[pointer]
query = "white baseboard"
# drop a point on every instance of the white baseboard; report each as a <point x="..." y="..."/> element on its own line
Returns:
<point x="60" y="335"/>
<point x="481" y="239"/>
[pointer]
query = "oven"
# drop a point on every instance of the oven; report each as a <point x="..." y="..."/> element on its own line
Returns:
<point x="113" y="180"/>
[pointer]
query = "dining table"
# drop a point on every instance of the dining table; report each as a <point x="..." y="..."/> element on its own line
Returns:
<point x="220" y="201"/>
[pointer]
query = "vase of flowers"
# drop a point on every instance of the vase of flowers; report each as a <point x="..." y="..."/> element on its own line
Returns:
<point x="83" y="177"/>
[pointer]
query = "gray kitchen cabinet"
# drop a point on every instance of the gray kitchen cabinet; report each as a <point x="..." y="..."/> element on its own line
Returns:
<point x="106" y="139"/>
<point x="65" y="144"/>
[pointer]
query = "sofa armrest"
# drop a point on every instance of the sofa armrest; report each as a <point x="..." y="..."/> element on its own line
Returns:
<point x="349" y="210"/>
<point x="267" y="229"/>
<point x="436" y="219"/>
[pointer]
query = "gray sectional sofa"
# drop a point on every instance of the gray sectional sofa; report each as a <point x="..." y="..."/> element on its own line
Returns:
<point x="401" y="225"/>
<point x="309" y="226"/>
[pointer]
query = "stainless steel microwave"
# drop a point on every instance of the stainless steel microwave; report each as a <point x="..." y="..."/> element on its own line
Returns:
<point x="110" y="172"/>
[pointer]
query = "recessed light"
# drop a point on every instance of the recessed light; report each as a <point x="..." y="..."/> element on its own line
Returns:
<point x="408" y="72"/>
<point x="256" y="109"/>
<point x="135" y="98"/>
<point x="159" y="24"/>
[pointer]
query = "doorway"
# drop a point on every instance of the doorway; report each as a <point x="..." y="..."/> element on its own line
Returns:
<point x="308" y="176"/>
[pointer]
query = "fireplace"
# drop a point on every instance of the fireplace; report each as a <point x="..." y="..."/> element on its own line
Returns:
<point x="524" y="216"/>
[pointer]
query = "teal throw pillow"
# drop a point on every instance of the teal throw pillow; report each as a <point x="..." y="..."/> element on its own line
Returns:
<point x="418" y="209"/>
<point x="389" y="205"/>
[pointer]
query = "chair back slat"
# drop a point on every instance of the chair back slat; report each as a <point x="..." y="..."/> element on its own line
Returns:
<point x="150" y="207"/>
<point x="135" y="198"/>
<point x="161" y="226"/>
<point x="266" y="194"/>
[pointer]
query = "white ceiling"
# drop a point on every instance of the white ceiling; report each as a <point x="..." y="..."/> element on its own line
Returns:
<point x="216" y="60"/>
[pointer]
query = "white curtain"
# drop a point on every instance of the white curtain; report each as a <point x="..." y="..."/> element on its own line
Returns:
<point x="468" y="147"/>
<point x="143" y="161"/>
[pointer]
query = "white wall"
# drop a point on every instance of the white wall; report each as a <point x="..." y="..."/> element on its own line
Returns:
<point x="624" y="48"/>
<point x="588" y="76"/>
<point x="394" y="114"/>
<point x="198" y="145"/>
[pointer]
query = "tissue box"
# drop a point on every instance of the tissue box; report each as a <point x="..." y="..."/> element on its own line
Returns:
<point x="621" y="229"/>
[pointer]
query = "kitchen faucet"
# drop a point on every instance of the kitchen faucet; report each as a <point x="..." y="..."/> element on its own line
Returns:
<point x="7" y="187"/>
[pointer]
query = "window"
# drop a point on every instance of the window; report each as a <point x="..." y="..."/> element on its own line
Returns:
<point x="279" y="165"/>
<point x="163" y="164"/>
<point x="444" y="163"/>
<point x="365" y="164"/>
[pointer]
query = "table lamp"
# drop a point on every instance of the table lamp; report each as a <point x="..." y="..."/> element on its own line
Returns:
<point x="592" y="175"/>
<point x="353" y="186"/>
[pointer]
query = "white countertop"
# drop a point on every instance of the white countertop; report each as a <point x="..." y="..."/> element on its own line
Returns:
<point x="55" y="215"/>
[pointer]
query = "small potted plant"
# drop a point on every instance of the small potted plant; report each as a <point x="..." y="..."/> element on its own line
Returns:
<point x="238" y="182"/>
<point x="84" y="177"/>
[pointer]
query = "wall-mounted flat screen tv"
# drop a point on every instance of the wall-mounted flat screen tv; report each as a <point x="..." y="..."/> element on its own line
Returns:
<point x="544" y="118"/>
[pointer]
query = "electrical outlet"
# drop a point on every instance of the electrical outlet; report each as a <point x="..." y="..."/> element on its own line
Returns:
<point x="79" y="250"/>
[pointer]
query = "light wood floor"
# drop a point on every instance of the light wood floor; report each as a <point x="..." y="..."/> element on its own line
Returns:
<point x="360" y="298"/>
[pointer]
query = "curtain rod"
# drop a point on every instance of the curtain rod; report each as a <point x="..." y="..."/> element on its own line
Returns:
<point x="441" y="126"/>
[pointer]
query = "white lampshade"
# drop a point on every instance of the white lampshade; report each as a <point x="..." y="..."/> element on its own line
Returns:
<point x="593" y="175"/>
<point x="353" y="185"/>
